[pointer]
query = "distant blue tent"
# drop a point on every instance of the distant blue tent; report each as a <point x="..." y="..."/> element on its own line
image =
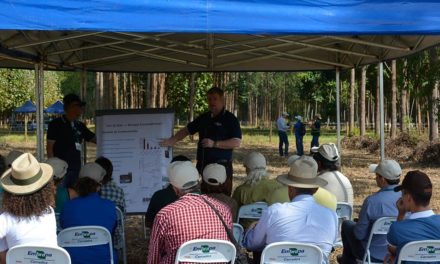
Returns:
<point x="55" y="108"/>
<point x="27" y="107"/>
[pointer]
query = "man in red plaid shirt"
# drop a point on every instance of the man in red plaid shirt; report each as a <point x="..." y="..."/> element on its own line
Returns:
<point x="190" y="217"/>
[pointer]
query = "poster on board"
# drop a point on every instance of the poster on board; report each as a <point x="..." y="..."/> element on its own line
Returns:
<point x="130" y="139"/>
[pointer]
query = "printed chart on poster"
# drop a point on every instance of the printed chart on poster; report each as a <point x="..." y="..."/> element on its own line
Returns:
<point x="130" y="139"/>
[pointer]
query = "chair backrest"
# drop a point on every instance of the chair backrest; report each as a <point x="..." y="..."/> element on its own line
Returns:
<point x="238" y="232"/>
<point x="206" y="251"/>
<point x="380" y="227"/>
<point x="251" y="211"/>
<point x="86" y="236"/>
<point x="344" y="210"/>
<point x="420" y="251"/>
<point x="25" y="254"/>
<point x="290" y="252"/>
<point x="57" y="218"/>
<point x="121" y="235"/>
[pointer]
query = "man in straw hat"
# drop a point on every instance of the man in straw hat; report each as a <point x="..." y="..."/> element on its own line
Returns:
<point x="301" y="220"/>
<point x="28" y="216"/>
<point x="188" y="218"/>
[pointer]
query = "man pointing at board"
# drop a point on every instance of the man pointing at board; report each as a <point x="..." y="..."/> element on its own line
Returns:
<point x="219" y="133"/>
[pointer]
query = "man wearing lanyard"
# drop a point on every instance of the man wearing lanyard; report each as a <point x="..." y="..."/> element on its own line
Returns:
<point x="219" y="133"/>
<point x="380" y="204"/>
<point x="65" y="135"/>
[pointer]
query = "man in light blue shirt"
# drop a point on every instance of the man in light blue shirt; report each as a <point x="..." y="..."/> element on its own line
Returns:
<point x="282" y="127"/>
<point x="380" y="204"/>
<point x="301" y="220"/>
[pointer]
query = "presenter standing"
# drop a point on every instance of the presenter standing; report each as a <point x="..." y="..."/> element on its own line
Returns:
<point x="219" y="133"/>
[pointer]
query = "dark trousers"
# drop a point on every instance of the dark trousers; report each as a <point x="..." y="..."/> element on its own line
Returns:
<point x="229" y="175"/>
<point x="299" y="145"/>
<point x="284" y="140"/>
<point x="315" y="141"/>
<point x="70" y="178"/>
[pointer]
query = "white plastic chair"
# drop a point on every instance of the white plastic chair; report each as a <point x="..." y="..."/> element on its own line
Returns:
<point x="86" y="236"/>
<point x="27" y="254"/>
<point x="344" y="211"/>
<point x="251" y="211"/>
<point x="206" y="251"/>
<point x="290" y="252"/>
<point x="420" y="251"/>
<point x="380" y="227"/>
<point x="121" y="227"/>
<point x="238" y="232"/>
<point x="57" y="219"/>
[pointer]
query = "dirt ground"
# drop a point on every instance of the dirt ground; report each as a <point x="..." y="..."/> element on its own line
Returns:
<point x="354" y="166"/>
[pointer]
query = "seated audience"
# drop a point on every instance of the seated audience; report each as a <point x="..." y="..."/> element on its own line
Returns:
<point x="339" y="185"/>
<point x="12" y="155"/>
<point x="301" y="220"/>
<point x="415" y="221"/>
<point x="214" y="175"/>
<point x="109" y="189"/>
<point x="63" y="194"/>
<point x="257" y="187"/>
<point x="380" y="204"/>
<point x="89" y="209"/>
<point x="161" y="198"/>
<point x="321" y="196"/>
<point x="28" y="216"/>
<point x="190" y="217"/>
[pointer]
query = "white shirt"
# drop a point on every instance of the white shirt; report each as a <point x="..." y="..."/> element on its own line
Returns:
<point x="339" y="185"/>
<point x="282" y="124"/>
<point x="37" y="230"/>
<point x="421" y="214"/>
<point x="302" y="220"/>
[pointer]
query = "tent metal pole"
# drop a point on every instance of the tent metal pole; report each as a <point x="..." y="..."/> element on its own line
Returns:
<point x="382" y="113"/>
<point x="83" y="97"/>
<point x="39" y="98"/>
<point x="338" y="110"/>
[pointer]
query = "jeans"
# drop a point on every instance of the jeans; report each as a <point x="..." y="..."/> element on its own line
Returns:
<point x="284" y="140"/>
<point x="299" y="145"/>
<point x="315" y="141"/>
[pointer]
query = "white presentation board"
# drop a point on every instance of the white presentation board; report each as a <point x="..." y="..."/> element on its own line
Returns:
<point x="130" y="139"/>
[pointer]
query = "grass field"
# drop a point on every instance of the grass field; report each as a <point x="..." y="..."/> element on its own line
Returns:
<point x="354" y="166"/>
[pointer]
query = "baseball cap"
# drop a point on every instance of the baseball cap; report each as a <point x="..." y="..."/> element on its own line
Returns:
<point x="255" y="161"/>
<point x="299" y="117"/>
<point x="389" y="169"/>
<point x="59" y="167"/>
<point x="416" y="182"/>
<point x="72" y="98"/>
<point x="183" y="175"/>
<point x="214" y="174"/>
<point x="93" y="171"/>
<point x="12" y="155"/>
<point x="285" y="114"/>
<point x="329" y="152"/>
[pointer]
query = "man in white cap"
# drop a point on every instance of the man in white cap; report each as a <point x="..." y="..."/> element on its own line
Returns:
<point x="327" y="158"/>
<point x="283" y="127"/>
<point x="190" y="217"/>
<point x="300" y="131"/>
<point x="301" y="220"/>
<point x="214" y="175"/>
<point x="379" y="204"/>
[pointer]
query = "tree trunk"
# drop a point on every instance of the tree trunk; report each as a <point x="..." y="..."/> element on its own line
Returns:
<point x="377" y="106"/>
<point x="362" y="100"/>
<point x="433" y="101"/>
<point x="191" y="96"/>
<point x="352" y="95"/>
<point x="419" y="116"/>
<point x="393" y="99"/>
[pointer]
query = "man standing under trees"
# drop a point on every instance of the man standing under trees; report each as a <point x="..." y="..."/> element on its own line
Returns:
<point x="316" y="131"/>
<point x="65" y="136"/>
<point x="300" y="131"/>
<point x="283" y="126"/>
<point x="219" y="133"/>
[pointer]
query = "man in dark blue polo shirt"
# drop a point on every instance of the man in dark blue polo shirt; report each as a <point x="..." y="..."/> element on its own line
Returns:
<point x="65" y="135"/>
<point x="219" y="133"/>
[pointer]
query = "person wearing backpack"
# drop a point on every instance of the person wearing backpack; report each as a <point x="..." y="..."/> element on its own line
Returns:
<point x="300" y="131"/>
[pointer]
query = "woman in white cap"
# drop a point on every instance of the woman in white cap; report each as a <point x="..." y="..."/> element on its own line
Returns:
<point x="257" y="187"/>
<point x="63" y="194"/>
<point x="28" y="216"/>
<point x="90" y="209"/>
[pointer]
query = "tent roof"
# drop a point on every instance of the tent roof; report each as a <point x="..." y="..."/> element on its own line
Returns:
<point x="202" y="35"/>
<point x="55" y="108"/>
<point x="27" y="107"/>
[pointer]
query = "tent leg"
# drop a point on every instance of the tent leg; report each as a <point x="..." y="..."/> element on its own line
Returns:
<point x="338" y="111"/>
<point x="83" y="92"/>
<point x="382" y="113"/>
<point x="39" y="102"/>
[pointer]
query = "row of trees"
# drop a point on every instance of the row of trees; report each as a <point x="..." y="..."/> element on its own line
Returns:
<point x="257" y="98"/>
